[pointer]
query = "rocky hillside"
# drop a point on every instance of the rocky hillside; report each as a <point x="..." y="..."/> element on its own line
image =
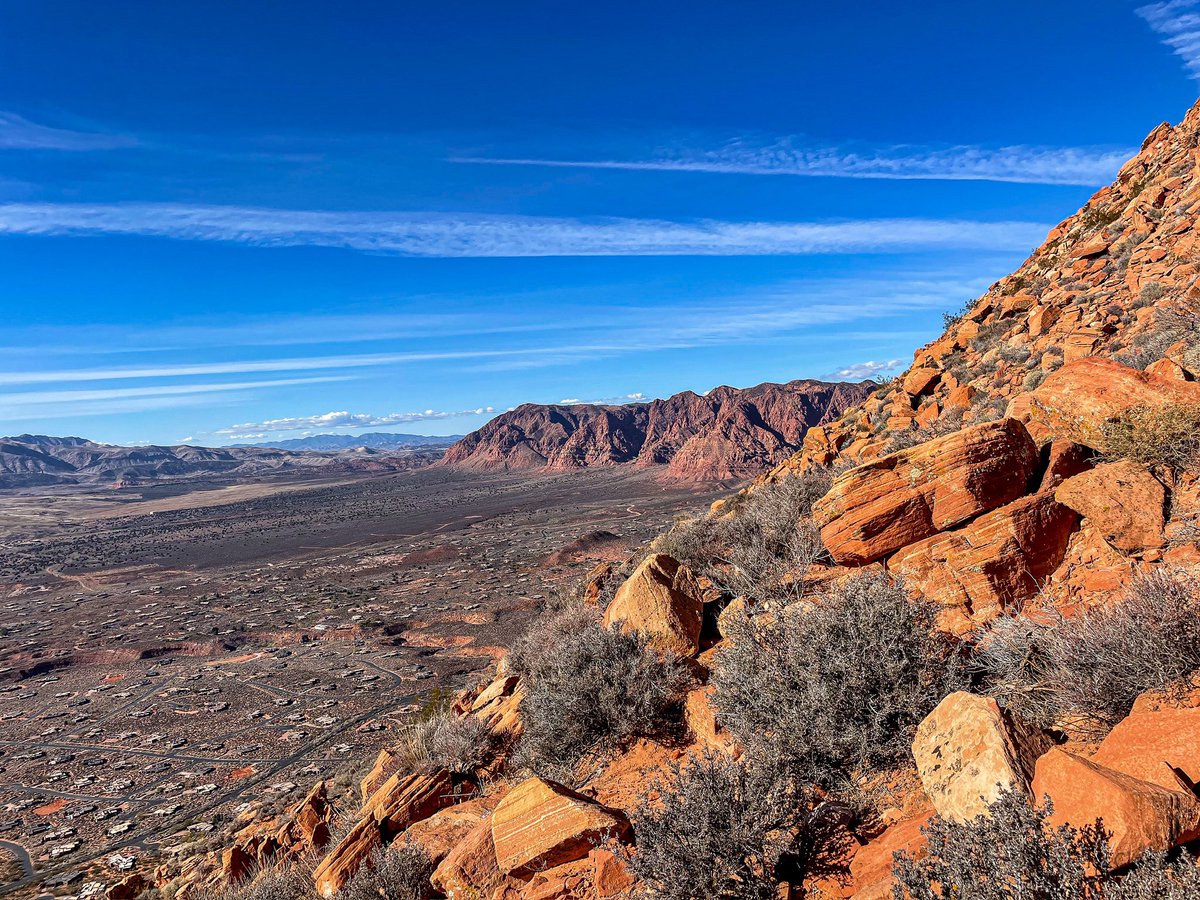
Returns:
<point x="30" y="460"/>
<point x="950" y="648"/>
<point x="728" y="433"/>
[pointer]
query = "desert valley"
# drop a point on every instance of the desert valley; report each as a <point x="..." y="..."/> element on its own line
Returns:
<point x="908" y="630"/>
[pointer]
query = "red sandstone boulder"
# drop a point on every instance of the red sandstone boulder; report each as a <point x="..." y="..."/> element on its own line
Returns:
<point x="540" y="824"/>
<point x="996" y="563"/>
<point x="469" y="871"/>
<point x="871" y="867"/>
<point x="701" y="720"/>
<point x="968" y="753"/>
<point x="1139" y="814"/>
<point x="1121" y="499"/>
<point x="1079" y="398"/>
<point x="445" y="830"/>
<point x="347" y="857"/>
<point x="1161" y="746"/>
<point x="1064" y="459"/>
<point x="653" y="603"/>
<point x="904" y="497"/>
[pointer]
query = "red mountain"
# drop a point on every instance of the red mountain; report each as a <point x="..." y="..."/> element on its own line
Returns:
<point x="727" y="433"/>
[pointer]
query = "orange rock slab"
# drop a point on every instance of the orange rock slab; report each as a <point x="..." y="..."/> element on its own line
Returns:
<point x="540" y="824"/>
<point x="1140" y="815"/>
<point x="1123" y="500"/>
<point x="899" y="499"/>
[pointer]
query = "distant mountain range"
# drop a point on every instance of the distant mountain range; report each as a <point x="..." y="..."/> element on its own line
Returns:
<point x="727" y="433"/>
<point x="375" y="440"/>
<point x="32" y="460"/>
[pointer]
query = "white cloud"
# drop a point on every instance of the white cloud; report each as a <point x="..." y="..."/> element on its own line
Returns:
<point x="294" y="364"/>
<point x="863" y="370"/>
<point x="444" y="235"/>
<point x="18" y="133"/>
<point x="48" y="404"/>
<point x="342" y="419"/>
<point x="789" y="156"/>
<point x="1178" y="24"/>
<point x="619" y="400"/>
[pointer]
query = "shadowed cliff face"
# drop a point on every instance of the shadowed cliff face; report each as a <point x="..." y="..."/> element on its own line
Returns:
<point x="728" y="433"/>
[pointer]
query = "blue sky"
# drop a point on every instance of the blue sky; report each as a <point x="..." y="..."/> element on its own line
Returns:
<point x="243" y="222"/>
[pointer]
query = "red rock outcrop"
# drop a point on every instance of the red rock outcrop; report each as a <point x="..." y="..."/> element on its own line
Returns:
<point x="994" y="564"/>
<point x="727" y="433"/>
<point x="899" y="499"/>
<point x="655" y="601"/>
<point x="540" y="824"/>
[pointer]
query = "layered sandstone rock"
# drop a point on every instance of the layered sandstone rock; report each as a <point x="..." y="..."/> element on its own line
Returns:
<point x="968" y="753"/>
<point x="1121" y="499"/>
<point x="902" y="498"/>
<point x="347" y="857"/>
<point x="994" y="564"/>
<point x="540" y="824"/>
<point x="1139" y="815"/>
<point x="470" y="871"/>
<point x="653" y="602"/>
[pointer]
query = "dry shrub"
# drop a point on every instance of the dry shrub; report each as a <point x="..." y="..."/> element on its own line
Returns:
<point x="444" y="740"/>
<point x="283" y="882"/>
<point x="1011" y="854"/>
<point x="723" y="829"/>
<point x="1166" y="435"/>
<point x="398" y="872"/>
<point x="837" y="687"/>
<point x="588" y="688"/>
<point x="1097" y="663"/>
<point x="1158" y="877"/>
<point x="758" y="550"/>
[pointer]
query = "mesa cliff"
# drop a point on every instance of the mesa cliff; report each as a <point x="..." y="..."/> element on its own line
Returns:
<point x="728" y="433"/>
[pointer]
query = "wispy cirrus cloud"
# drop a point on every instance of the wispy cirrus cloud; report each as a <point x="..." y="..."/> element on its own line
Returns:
<point x="342" y="419"/>
<point x="1178" y="25"/>
<point x="864" y="370"/>
<point x="791" y="156"/>
<point x="19" y="133"/>
<point x="66" y="403"/>
<point x="457" y="236"/>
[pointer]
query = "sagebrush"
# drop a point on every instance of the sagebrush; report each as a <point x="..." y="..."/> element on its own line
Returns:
<point x="832" y="688"/>
<point x="763" y="549"/>
<point x="1011" y="854"/>
<point x="589" y="687"/>
<point x="1095" y="664"/>
<point x="723" y="829"/>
